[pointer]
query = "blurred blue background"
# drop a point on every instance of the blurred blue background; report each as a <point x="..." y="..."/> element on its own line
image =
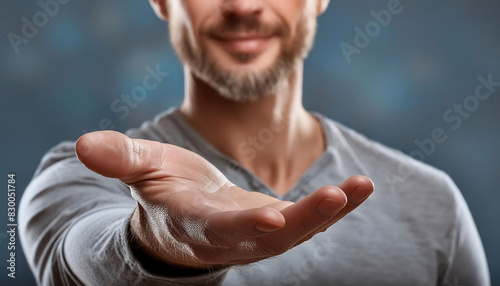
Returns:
<point x="63" y="80"/>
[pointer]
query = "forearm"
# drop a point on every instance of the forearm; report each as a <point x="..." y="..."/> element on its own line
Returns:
<point x="99" y="251"/>
<point x="74" y="228"/>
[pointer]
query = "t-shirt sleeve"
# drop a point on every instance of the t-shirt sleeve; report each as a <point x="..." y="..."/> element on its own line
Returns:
<point x="467" y="261"/>
<point x="74" y="228"/>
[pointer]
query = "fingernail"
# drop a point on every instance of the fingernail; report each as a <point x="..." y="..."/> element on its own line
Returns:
<point x="358" y="196"/>
<point x="328" y="207"/>
<point x="266" y="227"/>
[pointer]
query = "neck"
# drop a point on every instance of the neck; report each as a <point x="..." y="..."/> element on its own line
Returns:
<point x="274" y="137"/>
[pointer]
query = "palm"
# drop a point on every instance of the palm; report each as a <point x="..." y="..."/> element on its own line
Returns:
<point x="186" y="203"/>
<point x="186" y="179"/>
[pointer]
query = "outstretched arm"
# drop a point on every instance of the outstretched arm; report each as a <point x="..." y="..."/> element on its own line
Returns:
<point x="75" y="225"/>
<point x="188" y="213"/>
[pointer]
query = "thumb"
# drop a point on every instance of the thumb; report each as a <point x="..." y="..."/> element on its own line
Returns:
<point x="115" y="155"/>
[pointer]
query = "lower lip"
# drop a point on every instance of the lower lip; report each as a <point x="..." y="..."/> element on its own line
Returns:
<point x="245" y="46"/>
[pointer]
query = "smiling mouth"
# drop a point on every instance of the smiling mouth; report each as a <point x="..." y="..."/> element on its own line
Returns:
<point x="243" y="43"/>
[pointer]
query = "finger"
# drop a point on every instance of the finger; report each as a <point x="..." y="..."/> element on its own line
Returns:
<point x="230" y="235"/>
<point x="114" y="155"/>
<point x="300" y="221"/>
<point x="357" y="189"/>
<point x="231" y="227"/>
<point x="303" y="218"/>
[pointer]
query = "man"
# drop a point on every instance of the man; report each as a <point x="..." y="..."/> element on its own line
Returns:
<point x="240" y="173"/>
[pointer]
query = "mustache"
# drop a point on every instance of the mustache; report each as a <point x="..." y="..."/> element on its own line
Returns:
<point x="246" y="24"/>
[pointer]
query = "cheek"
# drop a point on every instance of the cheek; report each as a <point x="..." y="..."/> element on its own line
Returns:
<point x="290" y="11"/>
<point x="293" y="14"/>
<point x="199" y="14"/>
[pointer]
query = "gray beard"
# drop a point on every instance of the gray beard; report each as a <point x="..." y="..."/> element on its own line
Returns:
<point x="244" y="86"/>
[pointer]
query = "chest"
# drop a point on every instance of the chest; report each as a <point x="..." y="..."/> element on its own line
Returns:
<point x="356" y="251"/>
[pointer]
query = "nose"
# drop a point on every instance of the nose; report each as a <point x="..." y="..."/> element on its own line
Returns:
<point x="241" y="7"/>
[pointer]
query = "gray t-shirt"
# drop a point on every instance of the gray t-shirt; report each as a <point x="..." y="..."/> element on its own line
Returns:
<point x="415" y="229"/>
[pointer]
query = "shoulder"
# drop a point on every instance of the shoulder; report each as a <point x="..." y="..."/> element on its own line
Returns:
<point x="405" y="176"/>
<point x="412" y="192"/>
<point x="383" y="155"/>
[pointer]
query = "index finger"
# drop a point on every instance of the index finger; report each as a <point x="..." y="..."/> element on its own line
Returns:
<point x="302" y="218"/>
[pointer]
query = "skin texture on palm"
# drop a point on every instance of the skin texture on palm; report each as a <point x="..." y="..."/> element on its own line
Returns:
<point x="189" y="214"/>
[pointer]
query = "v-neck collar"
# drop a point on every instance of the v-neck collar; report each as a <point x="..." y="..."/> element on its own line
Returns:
<point x="221" y="160"/>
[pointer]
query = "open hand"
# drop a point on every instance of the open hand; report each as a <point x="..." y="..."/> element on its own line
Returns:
<point x="189" y="214"/>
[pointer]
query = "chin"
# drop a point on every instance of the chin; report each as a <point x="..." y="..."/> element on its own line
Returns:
<point x="246" y="63"/>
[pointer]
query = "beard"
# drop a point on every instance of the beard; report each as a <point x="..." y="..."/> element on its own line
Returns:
<point x="244" y="85"/>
